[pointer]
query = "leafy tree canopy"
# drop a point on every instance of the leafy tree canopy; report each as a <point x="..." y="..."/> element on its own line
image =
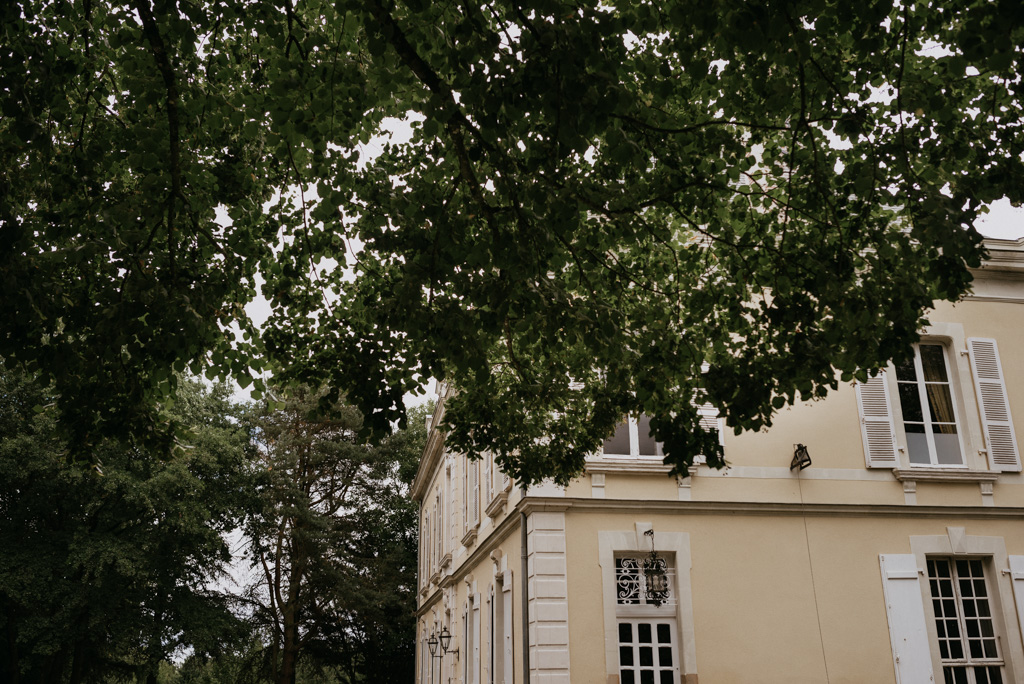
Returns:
<point x="597" y="200"/>
<point x="104" y="576"/>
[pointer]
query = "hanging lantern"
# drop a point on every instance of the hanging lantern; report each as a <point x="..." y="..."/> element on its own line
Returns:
<point x="655" y="575"/>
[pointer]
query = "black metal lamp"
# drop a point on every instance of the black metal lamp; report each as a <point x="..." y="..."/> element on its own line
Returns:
<point x="655" y="576"/>
<point x="446" y="640"/>
<point x="432" y="645"/>
<point x="801" y="459"/>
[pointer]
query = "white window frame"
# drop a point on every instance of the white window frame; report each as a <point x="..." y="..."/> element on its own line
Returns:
<point x="956" y="391"/>
<point x="634" y="444"/>
<point x="956" y="544"/>
<point x="965" y="405"/>
<point x="674" y="545"/>
<point x="967" y="662"/>
<point x="654" y="621"/>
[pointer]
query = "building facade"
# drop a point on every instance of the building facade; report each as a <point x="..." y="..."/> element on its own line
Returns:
<point x="896" y="556"/>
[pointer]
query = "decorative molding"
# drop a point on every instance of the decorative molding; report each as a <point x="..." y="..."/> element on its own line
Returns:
<point x="685" y="484"/>
<point x="649" y="506"/>
<point x="944" y="475"/>
<point x="470" y="537"/>
<point x="987" y="493"/>
<point x="446" y="560"/>
<point x="626" y="466"/>
<point x="784" y="473"/>
<point x="994" y="298"/>
<point x="497" y="505"/>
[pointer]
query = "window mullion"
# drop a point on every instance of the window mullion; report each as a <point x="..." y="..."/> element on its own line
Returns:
<point x="926" y="409"/>
<point x="961" y="621"/>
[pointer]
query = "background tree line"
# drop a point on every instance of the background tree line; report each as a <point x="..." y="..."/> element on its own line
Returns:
<point x="121" y="571"/>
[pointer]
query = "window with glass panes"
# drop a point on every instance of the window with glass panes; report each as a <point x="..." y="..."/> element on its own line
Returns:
<point x="646" y="632"/>
<point x="968" y="644"/>
<point x="647" y="653"/>
<point x="929" y="409"/>
<point x="633" y="438"/>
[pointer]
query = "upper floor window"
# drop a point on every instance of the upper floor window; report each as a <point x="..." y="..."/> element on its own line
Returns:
<point x="926" y="415"/>
<point x="633" y="439"/>
<point x="929" y="411"/>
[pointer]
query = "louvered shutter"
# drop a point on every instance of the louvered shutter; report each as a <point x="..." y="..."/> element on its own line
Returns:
<point x="427" y="550"/>
<point x="509" y="656"/>
<point x="876" y="424"/>
<point x="995" y="407"/>
<point x="466" y="463"/>
<point x="709" y="419"/>
<point x="488" y="482"/>
<point x="474" y="474"/>
<point x="475" y="665"/>
<point x="908" y="631"/>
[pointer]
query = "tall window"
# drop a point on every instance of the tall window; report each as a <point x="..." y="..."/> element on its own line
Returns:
<point x="438" y="529"/>
<point x="929" y="412"/>
<point x="968" y="645"/>
<point x="646" y="632"/>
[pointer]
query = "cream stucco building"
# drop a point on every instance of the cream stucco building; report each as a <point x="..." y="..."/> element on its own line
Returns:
<point x="897" y="556"/>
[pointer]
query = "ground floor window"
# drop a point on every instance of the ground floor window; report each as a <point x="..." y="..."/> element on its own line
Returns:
<point x="968" y="645"/>
<point x="646" y="651"/>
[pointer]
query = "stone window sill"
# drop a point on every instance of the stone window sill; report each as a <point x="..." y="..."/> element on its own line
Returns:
<point x="944" y="475"/>
<point x="497" y="505"/>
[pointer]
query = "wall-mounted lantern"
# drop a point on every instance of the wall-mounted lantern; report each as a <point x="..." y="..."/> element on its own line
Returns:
<point x="655" y="575"/>
<point x="801" y="459"/>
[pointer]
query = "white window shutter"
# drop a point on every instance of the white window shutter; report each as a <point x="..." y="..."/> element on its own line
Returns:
<point x="876" y="424"/>
<point x="475" y="674"/>
<point x="1017" y="578"/>
<point x="908" y="631"/>
<point x="427" y="549"/>
<point x="474" y="474"/>
<point x="509" y="657"/>
<point x="465" y="494"/>
<point x="709" y="420"/>
<point x="995" y="407"/>
<point x="488" y="482"/>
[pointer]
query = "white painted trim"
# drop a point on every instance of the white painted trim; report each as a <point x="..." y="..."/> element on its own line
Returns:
<point x="1004" y="610"/>
<point x="626" y="541"/>
<point x="771" y="508"/>
<point x="548" y="596"/>
<point x="784" y="473"/>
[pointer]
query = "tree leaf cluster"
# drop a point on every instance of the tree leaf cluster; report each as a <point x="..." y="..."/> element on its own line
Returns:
<point x="598" y="200"/>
